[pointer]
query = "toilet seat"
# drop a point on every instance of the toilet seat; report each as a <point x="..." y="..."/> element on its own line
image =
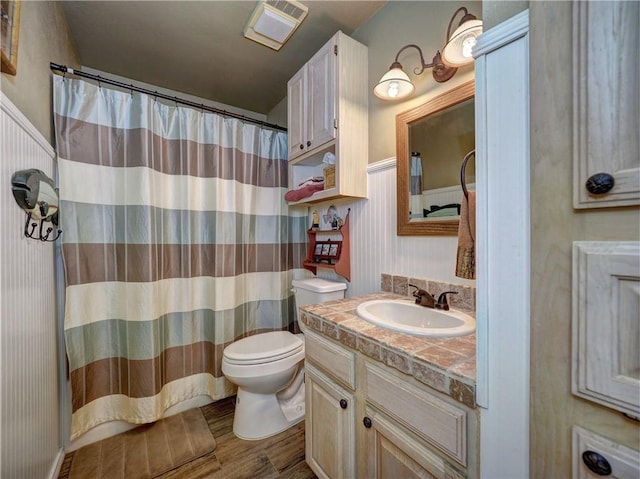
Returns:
<point x="263" y="348"/>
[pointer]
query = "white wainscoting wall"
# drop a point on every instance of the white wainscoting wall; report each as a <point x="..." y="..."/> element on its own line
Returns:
<point x="377" y="249"/>
<point x="31" y="445"/>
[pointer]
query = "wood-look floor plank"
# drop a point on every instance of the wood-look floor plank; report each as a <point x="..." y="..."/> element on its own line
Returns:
<point x="203" y="467"/>
<point x="287" y="452"/>
<point x="247" y="467"/>
<point x="299" y="471"/>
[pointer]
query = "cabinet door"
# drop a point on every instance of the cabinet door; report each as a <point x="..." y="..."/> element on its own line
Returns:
<point x="321" y="101"/>
<point x="606" y="103"/>
<point x="391" y="451"/>
<point x="606" y="326"/>
<point x="296" y="88"/>
<point x="329" y="427"/>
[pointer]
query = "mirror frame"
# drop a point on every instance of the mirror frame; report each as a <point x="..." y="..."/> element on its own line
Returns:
<point x="405" y="227"/>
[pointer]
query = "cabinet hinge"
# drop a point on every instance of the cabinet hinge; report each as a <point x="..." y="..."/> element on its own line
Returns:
<point x="335" y="49"/>
<point x="335" y="123"/>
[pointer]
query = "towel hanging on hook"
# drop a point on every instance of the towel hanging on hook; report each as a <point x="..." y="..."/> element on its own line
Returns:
<point x="463" y="181"/>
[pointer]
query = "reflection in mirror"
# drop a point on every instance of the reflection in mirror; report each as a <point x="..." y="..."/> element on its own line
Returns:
<point x="431" y="141"/>
<point x="438" y="142"/>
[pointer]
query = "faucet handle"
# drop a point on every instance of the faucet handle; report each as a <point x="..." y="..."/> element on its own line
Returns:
<point x="423" y="298"/>
<point x="442" y="300"/>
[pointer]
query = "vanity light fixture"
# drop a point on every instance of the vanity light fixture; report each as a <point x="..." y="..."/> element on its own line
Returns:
<point x="396" y="85"/>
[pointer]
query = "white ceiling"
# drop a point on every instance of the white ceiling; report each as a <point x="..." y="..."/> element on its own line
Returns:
<point x="198" y="47"/>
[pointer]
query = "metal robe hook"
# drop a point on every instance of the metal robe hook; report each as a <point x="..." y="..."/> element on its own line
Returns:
<point x="27" y="233"/>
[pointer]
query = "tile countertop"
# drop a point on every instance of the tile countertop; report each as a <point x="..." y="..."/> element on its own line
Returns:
<point x="447" y="365"/>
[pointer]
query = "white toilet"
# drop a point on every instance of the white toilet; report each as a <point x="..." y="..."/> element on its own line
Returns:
<point x="268" y="369"/>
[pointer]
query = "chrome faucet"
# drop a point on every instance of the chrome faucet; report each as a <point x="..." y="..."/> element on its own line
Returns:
<point x="423" y="298"/>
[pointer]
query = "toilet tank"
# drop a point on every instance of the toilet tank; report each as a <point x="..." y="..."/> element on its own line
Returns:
<point x="316" y="290"/>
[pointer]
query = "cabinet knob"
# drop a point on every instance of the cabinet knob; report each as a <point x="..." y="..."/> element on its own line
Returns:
<point x="599" y="184"/>
<point x="301" y="146"/>
<point x="308" y="143"/>
<point x="343" y="403"/>
<point x="367" y="422"/>
<point x="596" y="463"/>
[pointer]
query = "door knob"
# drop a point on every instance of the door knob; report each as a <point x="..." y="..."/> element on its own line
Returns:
<point x="343" y="403"/>
<point x="600" y="183"/>
<point x="596" y="463"/>
<point x="367" y="422"/>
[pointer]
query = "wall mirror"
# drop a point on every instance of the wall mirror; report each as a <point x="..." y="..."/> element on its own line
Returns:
<point x="431" y="141"/>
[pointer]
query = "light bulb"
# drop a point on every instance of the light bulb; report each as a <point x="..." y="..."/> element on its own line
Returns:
<point x="467" y="45"/>
<point x="394" y="89"/>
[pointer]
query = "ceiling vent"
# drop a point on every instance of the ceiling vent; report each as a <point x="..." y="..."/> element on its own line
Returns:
<point x="274" y="21"/>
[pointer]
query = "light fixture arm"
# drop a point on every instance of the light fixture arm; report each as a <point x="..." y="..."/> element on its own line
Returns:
<point x="418" y="70"/>
<point x="465" y="17"/>
<point x="441" y="72"/>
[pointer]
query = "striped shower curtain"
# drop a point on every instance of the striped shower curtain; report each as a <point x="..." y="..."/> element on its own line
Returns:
<point x="176" y="242"/>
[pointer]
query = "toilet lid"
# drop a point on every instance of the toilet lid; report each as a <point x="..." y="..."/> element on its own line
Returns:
<point x="263" y="347"/>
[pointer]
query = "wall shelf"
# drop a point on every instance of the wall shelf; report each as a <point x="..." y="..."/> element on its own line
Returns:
<point x="342" y="264"/>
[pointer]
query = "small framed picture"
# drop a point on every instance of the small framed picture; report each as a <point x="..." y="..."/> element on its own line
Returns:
<point x="325" y="249"/>
<point x="334" y="249"/>
<point x="318" y="250"/>
<point x="10" y="20"/>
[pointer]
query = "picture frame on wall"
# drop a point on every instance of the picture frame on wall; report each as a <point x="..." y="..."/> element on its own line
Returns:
<point x="9" y="31"/>
<point x="327" y="251"/>
<point x="334" y="249"/>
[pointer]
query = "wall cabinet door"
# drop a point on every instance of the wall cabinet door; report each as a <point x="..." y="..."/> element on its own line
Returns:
<point x="321" y="86"/>
<point x="311" y="103"/>
<point x="391" y="451"/>
<point x="329" y="427"/>
<point x="296" y="130"/>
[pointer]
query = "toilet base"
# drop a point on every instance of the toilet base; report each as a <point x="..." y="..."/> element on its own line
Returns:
<point x="258" y="416"/>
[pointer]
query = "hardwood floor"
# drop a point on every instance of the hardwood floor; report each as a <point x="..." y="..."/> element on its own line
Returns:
<point x="280" y="456"/>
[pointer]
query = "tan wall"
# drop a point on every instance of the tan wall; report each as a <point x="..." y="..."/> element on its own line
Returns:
<point x="554" y="226"/>
<point x="397" y="24"/>
<point x="44" y="38"/>
<point x="278" y="113"/>
<point x="497" y="11"/>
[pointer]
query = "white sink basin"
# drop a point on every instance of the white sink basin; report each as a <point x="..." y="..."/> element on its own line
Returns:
<point x="410" y="318"/>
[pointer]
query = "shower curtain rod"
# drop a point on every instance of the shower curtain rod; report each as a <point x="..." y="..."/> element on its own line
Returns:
<point x="200" y="106"/>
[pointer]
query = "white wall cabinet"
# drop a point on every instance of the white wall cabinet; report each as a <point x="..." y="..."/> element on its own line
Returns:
<point x="311" y="103"/>
<point x="328" y="112"/>
<point x="367" y="420"/>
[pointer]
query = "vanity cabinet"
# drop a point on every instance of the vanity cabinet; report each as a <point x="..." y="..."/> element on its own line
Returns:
<point x="327" y="110"/>
<point x="364" y="419"/>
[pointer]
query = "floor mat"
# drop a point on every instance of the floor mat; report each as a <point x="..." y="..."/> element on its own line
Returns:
<point x="146" y="451"/>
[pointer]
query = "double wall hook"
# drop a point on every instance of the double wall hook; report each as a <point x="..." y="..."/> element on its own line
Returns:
<point x="30" y="229"/>
<point x="37" y="195"/>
